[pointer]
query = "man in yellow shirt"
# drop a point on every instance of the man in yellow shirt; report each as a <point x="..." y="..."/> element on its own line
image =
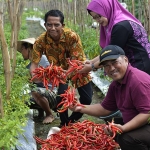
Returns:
<point x="59" y="43"/>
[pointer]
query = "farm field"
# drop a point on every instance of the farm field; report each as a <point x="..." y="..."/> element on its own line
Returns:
<point x="41" y="130"/>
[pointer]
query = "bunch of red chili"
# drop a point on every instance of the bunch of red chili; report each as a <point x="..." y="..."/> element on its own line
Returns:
<point x="68" y="99"/>
<point x="55" y="75"/>
<point x="50" y="75"/>
<point x="72" y="72"/>
<point x="84" y="135"/>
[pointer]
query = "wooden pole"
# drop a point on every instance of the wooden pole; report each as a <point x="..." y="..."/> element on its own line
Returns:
<point x="133" y="7"/>
<point x="1" y="106"/>
<point x="15" y="24"/>
<point x="6" y="60"/>
<point x="1" y="102"/>
<point x="146" y="12"/>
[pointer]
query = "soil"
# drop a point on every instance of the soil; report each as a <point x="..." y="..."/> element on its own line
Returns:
<point x="41" y="130"/>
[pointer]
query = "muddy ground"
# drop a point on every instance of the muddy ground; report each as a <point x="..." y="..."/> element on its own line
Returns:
<point x="41" y="130"/>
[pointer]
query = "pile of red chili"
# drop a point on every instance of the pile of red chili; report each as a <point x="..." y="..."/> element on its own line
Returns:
<point x="84" y="135"/>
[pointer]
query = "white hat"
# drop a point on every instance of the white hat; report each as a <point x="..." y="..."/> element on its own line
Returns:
<point x="28" y="40"/>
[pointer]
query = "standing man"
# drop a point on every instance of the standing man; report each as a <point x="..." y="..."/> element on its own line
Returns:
<point x="25" y="47"/>
<point x="130" y="93"/>
<point x="59" y="43"/>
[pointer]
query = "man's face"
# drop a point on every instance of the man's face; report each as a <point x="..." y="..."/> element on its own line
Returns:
<point x="25" y="53"/>
<point x="54" y="27"/>
<point x="116" y="69"/>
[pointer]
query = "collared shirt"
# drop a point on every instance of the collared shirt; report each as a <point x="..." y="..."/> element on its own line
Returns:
<point x="132" y="96"/>
<point x="69" y="46"/>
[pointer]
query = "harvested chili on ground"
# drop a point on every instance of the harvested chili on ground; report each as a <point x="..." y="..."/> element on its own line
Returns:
<point x="84" y="135"/>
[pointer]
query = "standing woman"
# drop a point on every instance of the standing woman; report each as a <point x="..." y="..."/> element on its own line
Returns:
<point x="120" y="27"/>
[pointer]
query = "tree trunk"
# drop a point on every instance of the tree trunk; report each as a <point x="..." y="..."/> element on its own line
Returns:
<point x="12" y="28"/>
<point x="146" y="14"/>
<point x="6" y="60"/>
<point x="15" y="25"/>
<point x="133" y="7"/>
<point x="149" y="17"/>
<point x="1" y="102"/>
<point x="1" y="106"/>
<point x="75" y="11"/>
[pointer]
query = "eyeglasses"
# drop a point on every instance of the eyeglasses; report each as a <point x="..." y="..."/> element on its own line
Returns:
<point x="96" y="17"/>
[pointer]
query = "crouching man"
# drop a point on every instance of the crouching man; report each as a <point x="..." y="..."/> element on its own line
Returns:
<point x="45" y="99"/>
<point x="130" y="93"/>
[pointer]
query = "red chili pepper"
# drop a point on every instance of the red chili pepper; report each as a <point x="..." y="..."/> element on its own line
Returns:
<point x="50" y="75"/>
<point x="79" y="136"/>
<point x="68" y="99"/>
<point x="72" y="72"/>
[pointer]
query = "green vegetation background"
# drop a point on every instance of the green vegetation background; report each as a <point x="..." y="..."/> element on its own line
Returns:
<point x="15" y="109"/>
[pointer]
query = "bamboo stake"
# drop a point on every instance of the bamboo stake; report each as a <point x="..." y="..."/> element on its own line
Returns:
<point x="6" y="60"/>
<point x="1" y="102"/>
<point x="133" y="8"/>
<point x="1" y="106"/>
<point x="146" y="16"/>
<point x="149" y="18"/>
<point x="10" y="11"/>
<point x="67" y="12"/>
<point x="15" y="24"/>
<point x="75" y="11"/>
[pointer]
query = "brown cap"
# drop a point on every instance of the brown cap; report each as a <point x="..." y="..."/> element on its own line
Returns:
<point x="28" y="40"/>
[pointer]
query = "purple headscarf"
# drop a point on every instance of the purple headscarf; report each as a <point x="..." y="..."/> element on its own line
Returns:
<point x="114" y="12"/>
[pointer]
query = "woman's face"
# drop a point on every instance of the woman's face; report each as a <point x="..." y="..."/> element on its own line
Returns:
<point x="103" y="21"/>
